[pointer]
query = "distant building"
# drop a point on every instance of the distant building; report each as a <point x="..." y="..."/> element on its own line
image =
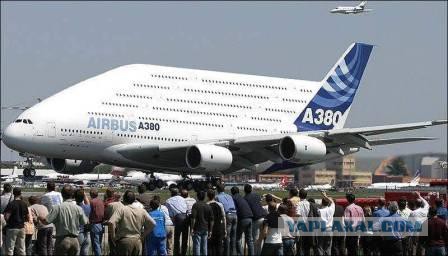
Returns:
<point x="342" y="165"/>
<point x="316" y="177"/>
<point x="431" y="167"/>
<point x="240" y="176"/>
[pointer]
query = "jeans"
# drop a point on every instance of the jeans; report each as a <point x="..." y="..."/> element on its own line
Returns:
<point x="244" y="226"/>
<point x="84" y="243"/>
<point x="288" y="246"/>
<point x="96" y="235"/>
<point x="257" y="225"/>
<point x="44" y="241"/>
<point x="155" y="246"/>
<point x="15" y="238"/>
<point x="180" y="228"/>
<point x="272" y="249"/>
<point x="200" y="243"/>
<point x="29" y="244"/>
<point x="435" y="251"/>
<point x="230" y="241"/>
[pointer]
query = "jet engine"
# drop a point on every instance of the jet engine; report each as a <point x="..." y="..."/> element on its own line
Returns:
<point x="72" y="166"/>
<point x="299" y="148"/>
<point x="209" y="157"/>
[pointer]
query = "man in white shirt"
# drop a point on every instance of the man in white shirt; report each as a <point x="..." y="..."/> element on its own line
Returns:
<point x="326" y="215"/>
<point x="419" y="215"/>
<point x="302" y="211"/>
<point x="52" y="197"/>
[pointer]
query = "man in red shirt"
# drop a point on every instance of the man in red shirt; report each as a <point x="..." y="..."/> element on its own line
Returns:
<point x="353" y="216"/>
<point x="96" y="221"/>
<point x="437" y="238"/>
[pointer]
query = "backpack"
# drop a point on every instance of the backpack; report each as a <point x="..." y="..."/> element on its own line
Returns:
<point x="218" y="218"/>
<point x="159" y="229"/>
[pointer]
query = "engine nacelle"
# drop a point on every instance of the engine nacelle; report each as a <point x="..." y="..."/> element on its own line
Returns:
<point x="299" y="148"/>
<point x="209" y="157"/>
<point x="72" y="166"/>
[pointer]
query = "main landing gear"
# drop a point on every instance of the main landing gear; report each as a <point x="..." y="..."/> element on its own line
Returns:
<point x="29" y="171"/>
<point x="154" y="183"/>
<point x="198" y="185"/>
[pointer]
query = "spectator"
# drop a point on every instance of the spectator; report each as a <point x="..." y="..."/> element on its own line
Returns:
<point x="128" y="222"/>
<point x="392" y="244"/>
<point x="437" y="238"/>
<point x="305" y="243"/>
<point x="215" y="243"/>
<point x="67" y="218"/>
<point x="2" y="228"/>
<point x="16" y="213"/>
<point x="382" y="211"/>
<point x="419" y="215"/>
<point x="254" y="201"/>
<point x="190" y="201"/>
<point x="169" y="226"/>
<point x="201" y="225"/>
<point x="96" y="222"/>
<point x="231" y="220"/>
<point x="273" y="244"/>
<point x="270" y="198"/>
<point x="144" y="198"/>
<point x="287" y="230"/>
<point x="177" y="208"/>
<point x="29" y="232"/>
<point x="244" y="225"/>
<point x="156" y="241"/>
<point x="326" y="214"/>
<point x="404" y="212"/>
<point x="110" y="196"/>
<point x="338" y="241"/>
<point x="112" y="206"/>
<point x="441" y="211"/>
<point x="44" y="232"/>
<point x="367" y="241"/>
<point x="52" y="197"/>
<point x="6" y="196"/>
<point x="353" y="216"/>
<point x="84" y="230"/>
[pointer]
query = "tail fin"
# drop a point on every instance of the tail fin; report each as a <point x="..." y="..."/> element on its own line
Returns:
<point x="416" y="178"/>
<point x="362" y="4"/>
<point x="330" y="106"/>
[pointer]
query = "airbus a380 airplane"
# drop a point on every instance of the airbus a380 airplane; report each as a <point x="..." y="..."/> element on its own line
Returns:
<point x="188" y="121"/>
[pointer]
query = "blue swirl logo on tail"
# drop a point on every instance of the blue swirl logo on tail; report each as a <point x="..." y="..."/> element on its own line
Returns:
<point x="331" y="104"/>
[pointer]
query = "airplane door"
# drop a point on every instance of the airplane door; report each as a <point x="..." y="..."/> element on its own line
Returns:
<point x="51" y="129"/>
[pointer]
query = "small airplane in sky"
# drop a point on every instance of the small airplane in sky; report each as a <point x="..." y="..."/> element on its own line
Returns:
<point x="360" y="8"/>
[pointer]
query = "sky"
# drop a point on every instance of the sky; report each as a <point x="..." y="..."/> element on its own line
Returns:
<point x="49" y="46"/>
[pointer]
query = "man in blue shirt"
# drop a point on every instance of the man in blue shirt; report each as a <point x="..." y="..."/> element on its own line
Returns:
<point x="441" y="211"/>
<point x="244" y="222"/>
<point x="231" y="219"/>
<point x="254" y="201"/>
<point x="393" y="243"/>
<point x="382" y="211"/>
<point x="84" y="233"/>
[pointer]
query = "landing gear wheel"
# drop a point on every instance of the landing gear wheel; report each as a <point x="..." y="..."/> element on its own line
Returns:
<point x="172" y="186"/>
<point x="188" y="185"/>
<point x="151" y="186"/>
<point x="26" y="172"/>
<point x="159" y="183"/>
<point x="32" y="173"/>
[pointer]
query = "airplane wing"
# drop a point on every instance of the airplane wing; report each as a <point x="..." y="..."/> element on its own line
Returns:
<point x="251" y="150"/>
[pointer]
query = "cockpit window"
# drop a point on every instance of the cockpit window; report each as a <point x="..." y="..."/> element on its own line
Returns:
<point x="18" y="120"/>
<point x="29" y="121"/>
<point x="25" y="121"/>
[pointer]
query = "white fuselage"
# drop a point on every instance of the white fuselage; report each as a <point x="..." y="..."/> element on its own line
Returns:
<point x="157" y="105"/>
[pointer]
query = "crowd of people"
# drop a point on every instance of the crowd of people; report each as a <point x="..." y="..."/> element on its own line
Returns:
<point x="73" y="222"/>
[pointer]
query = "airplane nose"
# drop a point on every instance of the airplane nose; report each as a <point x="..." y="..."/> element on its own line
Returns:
<point x="10" y="137"/>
